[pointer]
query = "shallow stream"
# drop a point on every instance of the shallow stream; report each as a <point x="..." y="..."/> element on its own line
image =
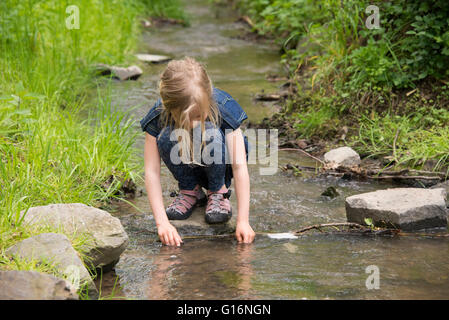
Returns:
<point x="316" y="266"/>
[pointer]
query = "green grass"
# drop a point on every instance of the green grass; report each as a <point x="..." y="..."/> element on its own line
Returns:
<point x="163" y="8"/>
<point x="60" y="137"/>
<point x="408" y="144"/>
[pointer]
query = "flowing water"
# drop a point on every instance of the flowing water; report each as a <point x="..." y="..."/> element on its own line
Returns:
<point x="315" y="266"/>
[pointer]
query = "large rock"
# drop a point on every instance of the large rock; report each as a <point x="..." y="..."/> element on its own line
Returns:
<point x="109" y="236"/>
<point x="32" y="285"/>
<point x="342" y="157"/>
<point x="445" y="186"/>
<point x="404" y="208"/>
<point x="56" y="249"/>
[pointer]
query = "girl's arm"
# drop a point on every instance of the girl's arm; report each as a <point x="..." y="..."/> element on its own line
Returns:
<point x="236" y="149"/>
<point x="167" y="232"/>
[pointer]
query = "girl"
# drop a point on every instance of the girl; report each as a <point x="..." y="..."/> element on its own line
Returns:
<point x="193" y="118"/>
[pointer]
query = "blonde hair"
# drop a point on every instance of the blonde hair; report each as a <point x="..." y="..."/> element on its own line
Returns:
<point x="184" y="87"/>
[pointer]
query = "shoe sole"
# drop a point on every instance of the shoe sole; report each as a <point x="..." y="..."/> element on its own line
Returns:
<point x="228" y="217"/>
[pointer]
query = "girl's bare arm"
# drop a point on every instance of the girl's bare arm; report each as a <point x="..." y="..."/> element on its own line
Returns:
<point x="236" y="149"/>
<point x="166" y="231"/>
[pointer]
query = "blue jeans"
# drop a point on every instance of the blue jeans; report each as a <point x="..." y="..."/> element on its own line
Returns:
<point x="211" y="176"/>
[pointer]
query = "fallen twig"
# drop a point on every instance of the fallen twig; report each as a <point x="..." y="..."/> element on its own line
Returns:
<point x="444" y="175"/>
<point x="209" y="236"/>
<point x="248" y="21"/>
<point x="298" y="167"/>
<point x="405" y="177"/>
<point x="325" y="225"/>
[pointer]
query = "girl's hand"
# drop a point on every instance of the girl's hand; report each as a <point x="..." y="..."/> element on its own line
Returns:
<point x="244" y="233"/>
<point x="169" y="235"/>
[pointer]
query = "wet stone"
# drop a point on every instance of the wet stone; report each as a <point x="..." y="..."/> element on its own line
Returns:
<point x="330" y="192"/>
<point x="108" y="235"/>
<point x="32" y="285"/>
<point x="342" y="157"/>
<point x="56" y="249"/>
<point x="408" y="209"/>
<point x="129" y="73"/>
<point x="445" y="186"/>
<point x="197" y="225"/>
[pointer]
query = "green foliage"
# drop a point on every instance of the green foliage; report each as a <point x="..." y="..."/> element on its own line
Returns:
<point x="369" y="222"/>
<point x="165" y="8"/>
<point x="314" y="121"/>
<point x="414" y="143"/>
<point x="283" y="17"/>
<point x="371" y="65"/>
<point x="420" y="30"/>
<point x="412" y="43"/>
<point x="349" y="75"/>
<point x="57" y="145"/>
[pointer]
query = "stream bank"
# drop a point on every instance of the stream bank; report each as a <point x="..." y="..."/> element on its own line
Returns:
<point x="383" y="91"/>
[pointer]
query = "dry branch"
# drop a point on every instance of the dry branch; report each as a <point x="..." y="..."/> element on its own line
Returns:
<point x="325" y="225"/>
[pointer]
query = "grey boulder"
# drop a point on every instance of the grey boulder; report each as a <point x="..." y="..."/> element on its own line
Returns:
<point x="55" y="249"/>
<point x="445" y="186"/>
<point x="32" y="285"/>
<point x="342" y="157"/>
<point x="408" y="209"/>
<point x="108" y="235"/>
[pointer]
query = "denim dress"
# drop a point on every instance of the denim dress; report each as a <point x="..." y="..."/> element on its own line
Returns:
<point x="210" y="176"/>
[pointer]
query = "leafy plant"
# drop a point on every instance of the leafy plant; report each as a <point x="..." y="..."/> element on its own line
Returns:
<point x="369" y="222"/>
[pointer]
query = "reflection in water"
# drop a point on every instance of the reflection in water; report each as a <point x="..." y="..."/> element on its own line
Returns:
<point x="203" y="269"/>
<point x="313" y="267"/>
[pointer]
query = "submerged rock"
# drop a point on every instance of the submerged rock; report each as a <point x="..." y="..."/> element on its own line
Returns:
<point x="404" y="208"/>
<point x="152" y="58"/>
<point x="130" y="73"/>
<point x="32" y="285"/>
<point x="108" y="235"/>
<point x="55" y="248"/>
<point x="342" y="157"/>
<point x="330" y="192"/>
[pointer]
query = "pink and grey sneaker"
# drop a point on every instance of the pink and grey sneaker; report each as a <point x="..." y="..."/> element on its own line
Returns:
<point x="218" y="208"/>
<point x="186" y="200"/>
